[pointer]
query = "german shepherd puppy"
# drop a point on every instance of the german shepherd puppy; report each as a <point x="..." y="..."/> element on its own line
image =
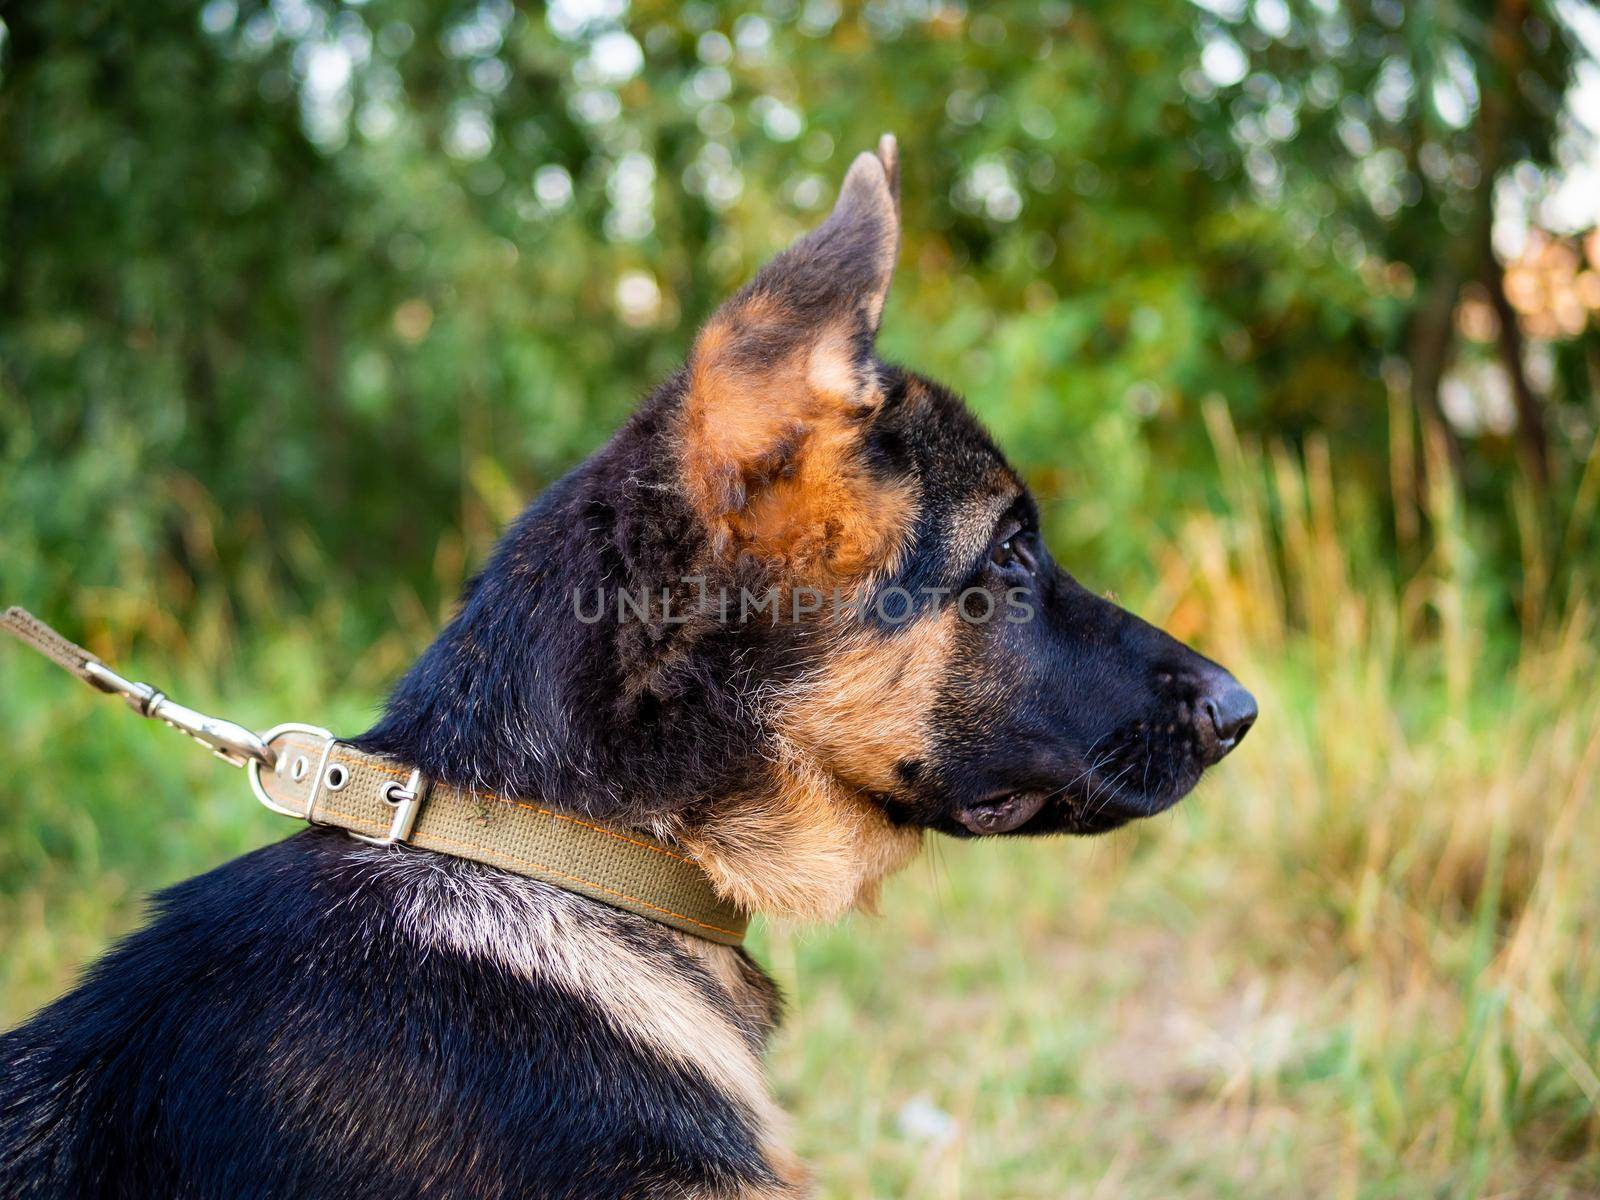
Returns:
<point x="326" y="1019"/>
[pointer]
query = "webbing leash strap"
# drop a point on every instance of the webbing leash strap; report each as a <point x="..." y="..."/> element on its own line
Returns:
<point x="305" y="772"/>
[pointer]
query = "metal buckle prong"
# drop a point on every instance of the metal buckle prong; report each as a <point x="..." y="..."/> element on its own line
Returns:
<point x="407" y="802"/>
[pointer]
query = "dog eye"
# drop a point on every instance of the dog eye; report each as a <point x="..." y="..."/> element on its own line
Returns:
<point x="1014" y="553"/>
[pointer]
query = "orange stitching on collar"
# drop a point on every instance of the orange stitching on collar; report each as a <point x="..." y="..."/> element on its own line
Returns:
<point x="621" y="837"/>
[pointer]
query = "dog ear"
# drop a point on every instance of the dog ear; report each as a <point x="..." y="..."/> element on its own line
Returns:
<point x="846" y="263"/>
<point x="782" y="384"/>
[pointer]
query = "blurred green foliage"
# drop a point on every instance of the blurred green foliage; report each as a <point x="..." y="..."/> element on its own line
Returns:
<point x="299" y="300"/>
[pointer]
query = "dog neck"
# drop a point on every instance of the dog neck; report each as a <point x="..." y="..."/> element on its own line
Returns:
<point x="806" y="849"/>
<point x="780" y="836"/>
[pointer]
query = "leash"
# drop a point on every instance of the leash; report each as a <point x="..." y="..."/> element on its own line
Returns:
<point x="305" y="772"/>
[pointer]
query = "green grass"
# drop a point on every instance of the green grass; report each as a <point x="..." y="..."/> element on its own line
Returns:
<point x="1362" y="961"/>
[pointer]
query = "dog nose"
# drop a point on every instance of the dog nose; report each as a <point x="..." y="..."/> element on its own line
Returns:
<point x="1232" y="711"/>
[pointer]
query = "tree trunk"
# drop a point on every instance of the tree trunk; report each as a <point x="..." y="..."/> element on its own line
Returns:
<point x="1430" y="342"/>
<point x="1494" y="115"/>
<point x="1533" y="439"/>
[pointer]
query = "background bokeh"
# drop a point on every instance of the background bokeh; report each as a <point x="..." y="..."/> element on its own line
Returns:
<point x="1288" y="309"/>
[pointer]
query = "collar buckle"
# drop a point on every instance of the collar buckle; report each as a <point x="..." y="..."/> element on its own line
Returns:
<point x="406" y="800"/>
<point x="296" y="769"/>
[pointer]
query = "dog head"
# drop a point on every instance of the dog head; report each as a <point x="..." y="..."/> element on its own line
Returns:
<point x="800" y="610"/>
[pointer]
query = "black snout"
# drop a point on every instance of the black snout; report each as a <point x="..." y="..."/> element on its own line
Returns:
<point x="1231" y="711"/>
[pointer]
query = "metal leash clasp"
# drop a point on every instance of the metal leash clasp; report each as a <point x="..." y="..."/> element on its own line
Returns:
<point x="233" y="744"/>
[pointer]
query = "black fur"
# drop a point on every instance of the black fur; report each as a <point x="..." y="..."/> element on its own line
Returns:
<point x="611" y="719"/>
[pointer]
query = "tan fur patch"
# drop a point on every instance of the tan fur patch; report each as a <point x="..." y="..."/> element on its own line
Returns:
<point x="734" y="976"/>
<point x="831" y="373"/>
<point x="808" y="849"/>
<point x="770" y="451"/>
<point x="867" y="706"/>
<point x="973" y="523"/>
<point x="814" y="845"/>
